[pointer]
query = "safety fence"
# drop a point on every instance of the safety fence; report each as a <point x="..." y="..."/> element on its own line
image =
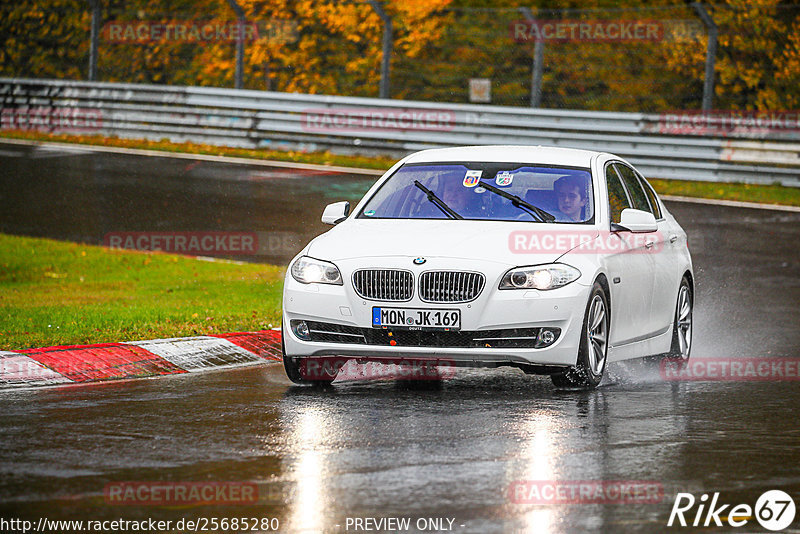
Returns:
<point x="747" y="147"/>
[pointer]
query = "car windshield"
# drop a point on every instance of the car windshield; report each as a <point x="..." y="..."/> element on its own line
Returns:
<point x="432" y="190"/>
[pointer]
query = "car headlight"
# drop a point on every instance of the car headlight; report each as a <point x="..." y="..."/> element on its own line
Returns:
<point x="309" y="271"/>
<point x="540" y="277"/>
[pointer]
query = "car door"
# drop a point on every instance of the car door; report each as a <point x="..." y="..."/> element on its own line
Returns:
<point x="630" y="269"/>
<point x="648" y="245"/>
<point x="668" y="259"/>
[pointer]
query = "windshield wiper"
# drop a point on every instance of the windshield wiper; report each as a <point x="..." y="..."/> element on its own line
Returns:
<point x="438" y="202"/>
<point x="518" y="202"/>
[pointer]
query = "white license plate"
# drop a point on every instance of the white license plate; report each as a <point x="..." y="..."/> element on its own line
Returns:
<point x="416" y="318"/>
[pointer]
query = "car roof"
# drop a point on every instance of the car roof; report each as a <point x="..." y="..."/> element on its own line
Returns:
<point x="545" y="155"/>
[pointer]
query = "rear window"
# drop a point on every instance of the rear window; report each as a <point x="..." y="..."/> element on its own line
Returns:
<point x="651" y="196"/>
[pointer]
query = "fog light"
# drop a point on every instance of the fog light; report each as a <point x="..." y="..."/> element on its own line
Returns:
<point x="300" y="329"/>
<point x="547" y="336"/>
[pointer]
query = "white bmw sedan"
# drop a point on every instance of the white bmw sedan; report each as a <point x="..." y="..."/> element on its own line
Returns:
<point x="555" y="261"/>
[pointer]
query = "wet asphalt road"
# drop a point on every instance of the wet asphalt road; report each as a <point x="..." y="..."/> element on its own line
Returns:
<point x="76" y="195"/>
<point x="441" y="450"/>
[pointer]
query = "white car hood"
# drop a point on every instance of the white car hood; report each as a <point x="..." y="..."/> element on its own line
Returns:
<point x="442" y="238"/>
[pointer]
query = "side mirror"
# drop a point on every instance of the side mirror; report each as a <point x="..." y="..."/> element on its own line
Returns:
<point x="336" y="212"/>
<point x="636" y="221"/>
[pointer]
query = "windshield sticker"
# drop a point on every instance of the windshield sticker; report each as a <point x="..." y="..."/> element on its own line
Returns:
<point x="369" y="213"/>
<point x="472" y="178"/>
<point x="504" y="178"/>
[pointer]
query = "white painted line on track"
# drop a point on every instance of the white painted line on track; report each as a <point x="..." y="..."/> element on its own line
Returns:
<point x="200" y="157"/>
<point x="338" y="169"/>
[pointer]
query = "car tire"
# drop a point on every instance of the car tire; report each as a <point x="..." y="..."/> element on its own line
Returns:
<point x="681" y="346"/>
<point x="292" y="367"/>
<point x="593" y="349"/>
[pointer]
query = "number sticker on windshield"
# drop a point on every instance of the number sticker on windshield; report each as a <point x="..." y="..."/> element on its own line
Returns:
<point x="472" y="178"/>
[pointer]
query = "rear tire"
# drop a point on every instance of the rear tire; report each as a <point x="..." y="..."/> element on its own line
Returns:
<point x="681" y="347"/>
<point x="593" y="350"/>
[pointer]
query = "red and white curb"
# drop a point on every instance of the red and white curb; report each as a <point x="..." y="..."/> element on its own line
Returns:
<point x="77" y="364"/>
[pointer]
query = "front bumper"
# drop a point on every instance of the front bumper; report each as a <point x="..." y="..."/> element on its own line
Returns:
<point x="494" y="309"/>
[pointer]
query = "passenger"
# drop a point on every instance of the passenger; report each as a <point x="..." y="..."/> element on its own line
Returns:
<point x="572" y="199"/>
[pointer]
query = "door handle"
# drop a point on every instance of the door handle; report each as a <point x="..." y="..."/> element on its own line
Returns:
<point x="673" y="238"/>
<point x="648" y="244"/>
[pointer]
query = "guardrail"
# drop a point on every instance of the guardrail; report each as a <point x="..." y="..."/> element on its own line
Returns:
<point x="258" y="119"/>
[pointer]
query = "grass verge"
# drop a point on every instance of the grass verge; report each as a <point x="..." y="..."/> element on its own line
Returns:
<point x="56" y="293"/>
<point x="764" y="194"/>
<point x="768" y="194"/>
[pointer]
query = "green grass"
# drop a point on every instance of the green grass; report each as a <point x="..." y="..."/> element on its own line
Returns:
<point x="56" y="293"/>
<point x="765" y="194"/>
<point x="769" y="194"/>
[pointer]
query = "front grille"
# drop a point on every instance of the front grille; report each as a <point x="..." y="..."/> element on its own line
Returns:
<point x="384" y="284"/>
<point x="502" y="338"/>
<point x="450" y="286"/>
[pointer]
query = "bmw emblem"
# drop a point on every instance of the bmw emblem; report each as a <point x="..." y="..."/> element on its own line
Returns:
<point x="419" y="261"/>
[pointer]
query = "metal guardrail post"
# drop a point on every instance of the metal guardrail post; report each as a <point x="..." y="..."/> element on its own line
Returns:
<point x="94" y="37"/>
<point x="538" y="63"/>
<point x="711" y="55"/>
<point x="239" y="75"/>
<point x="387" y="47"/>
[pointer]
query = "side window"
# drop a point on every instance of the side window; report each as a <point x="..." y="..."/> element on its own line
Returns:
<point x="638" y="196"/>
<point x="617" y="198"/>
<point x="651" y="196"/>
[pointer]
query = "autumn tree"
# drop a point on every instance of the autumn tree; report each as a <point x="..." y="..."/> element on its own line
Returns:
<point x="334" y="47"/>
<point x="44" y="39"/>
<point x="758" y="60"/>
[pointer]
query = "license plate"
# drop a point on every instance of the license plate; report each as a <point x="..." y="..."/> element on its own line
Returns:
<point x="416" y="319"/>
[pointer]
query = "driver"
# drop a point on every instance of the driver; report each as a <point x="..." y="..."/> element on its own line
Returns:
<point x="461" y="199"/>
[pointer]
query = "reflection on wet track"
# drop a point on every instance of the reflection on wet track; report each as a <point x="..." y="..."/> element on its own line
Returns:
<point x="452" y="449"/>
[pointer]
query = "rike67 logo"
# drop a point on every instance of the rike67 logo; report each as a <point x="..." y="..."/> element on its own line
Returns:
<point x="774" y="510"/>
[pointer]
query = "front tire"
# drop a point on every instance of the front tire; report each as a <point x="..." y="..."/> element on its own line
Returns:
<point x="293" y="367"/>
<point x="593" y="350"/>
